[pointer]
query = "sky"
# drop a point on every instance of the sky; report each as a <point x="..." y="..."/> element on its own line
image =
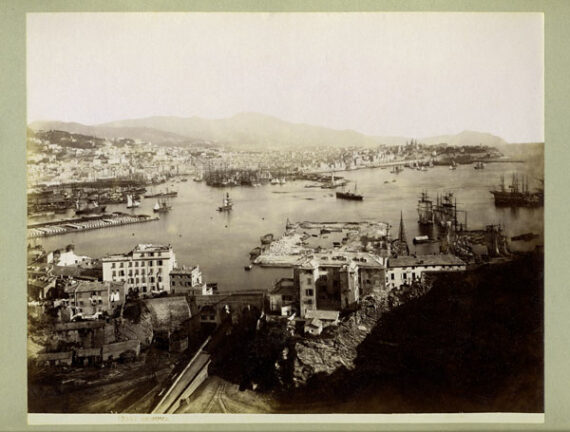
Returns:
<point x="401" y="74"/>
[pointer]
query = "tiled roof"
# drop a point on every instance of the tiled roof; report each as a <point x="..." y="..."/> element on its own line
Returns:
<point x="424" y="260"/>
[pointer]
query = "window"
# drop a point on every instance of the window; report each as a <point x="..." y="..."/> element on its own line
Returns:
<point x="122" y="265"/>
<point x="114" y="273"/>
<point x="130" y="263"/>
<point x="309" y="280"/>
<point x="404" y="276"/>
<point x="136" y="263"/>
<point x="112" y="265"/>
<point x="392" y="276"/>
<point x="309" y="292"/>
<point x="151" y="263"/>
<point x="152" y="278"/>
<point x="144" y="288"/>
<point x="159" y="262"/>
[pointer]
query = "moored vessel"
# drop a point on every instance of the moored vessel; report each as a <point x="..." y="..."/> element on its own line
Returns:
<point x="350" y="195"/>
<point x="227" y="204"/>
<point x="91" y="208"/>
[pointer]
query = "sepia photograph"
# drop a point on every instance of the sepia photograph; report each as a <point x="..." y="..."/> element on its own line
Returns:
<point x="285" y="213"/>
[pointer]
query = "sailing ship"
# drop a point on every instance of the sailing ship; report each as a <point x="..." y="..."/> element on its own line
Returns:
<point x="161" y="206"/>
<point x="425" y="210"/>
<point x="226" y="204"/>
<point x="132" y="203"/>
<point x="91" y="208"/>
<point x="350" y="195"/>
<point x="517" y="194"/>
<point x="445" y="213"/>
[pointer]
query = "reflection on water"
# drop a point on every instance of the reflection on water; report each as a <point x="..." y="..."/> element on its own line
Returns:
<point x="220" y="242"/>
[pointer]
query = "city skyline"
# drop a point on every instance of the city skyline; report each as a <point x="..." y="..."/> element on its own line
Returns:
<point x="400" y="74"/>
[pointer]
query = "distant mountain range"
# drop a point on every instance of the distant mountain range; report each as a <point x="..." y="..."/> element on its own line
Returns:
<point x="251" y="131"/>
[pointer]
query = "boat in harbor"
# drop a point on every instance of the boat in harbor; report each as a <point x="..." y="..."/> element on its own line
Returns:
<point x="425" y="210"/>
<point x="517" y="194"/>
<point x="479" y="165"/>
<point x="248" y="267"/>
<point x="453" y="165"/>
<point x="227" y="204"/>
<point x="525" y="237"/>
<point x="161" y="206"/>
<point x="91" y="208"/>
<point x="267" y="239"/>
<point x="396" y="169"/>
<point x="131" y="203"/>
<point x="350" y="195"/>
<point x="421" y="239"/>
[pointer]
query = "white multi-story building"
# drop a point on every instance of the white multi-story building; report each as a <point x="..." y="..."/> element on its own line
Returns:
<point x="146" y="269"/>
<point x="405" y="270"/>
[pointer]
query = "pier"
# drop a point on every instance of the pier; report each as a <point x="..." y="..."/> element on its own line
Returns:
<point x="65" y="226"/>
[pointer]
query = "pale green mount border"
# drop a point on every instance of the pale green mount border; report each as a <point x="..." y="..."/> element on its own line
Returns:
<point x="13" y="215"/>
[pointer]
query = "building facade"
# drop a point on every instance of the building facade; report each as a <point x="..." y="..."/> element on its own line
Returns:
<point x="336" y="281"/>
<point x="144" y="270"/>
<point x="88" y="299"/>
<point x="405" y="270"/>
<point x="188" y="281"/>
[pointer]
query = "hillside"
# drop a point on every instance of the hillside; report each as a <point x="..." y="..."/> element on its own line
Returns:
<point x="252" y="131"/>
<point x="102" y="131"/>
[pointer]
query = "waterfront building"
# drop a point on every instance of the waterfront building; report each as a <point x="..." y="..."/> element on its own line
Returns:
<point x="336" y="281"/>
<point x="145" y="270"/>
<point x="405" y="270"/>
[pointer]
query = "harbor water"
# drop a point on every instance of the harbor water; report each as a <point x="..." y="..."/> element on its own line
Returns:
<point x="220" y="242"/>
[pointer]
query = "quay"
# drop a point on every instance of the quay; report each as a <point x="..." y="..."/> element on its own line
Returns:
<point x="303" y="239"/>
<point x="65" y="226"/>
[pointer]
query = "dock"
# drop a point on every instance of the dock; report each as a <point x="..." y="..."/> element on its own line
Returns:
<point x="66" y="226"/>
<point x="303" y="239"/>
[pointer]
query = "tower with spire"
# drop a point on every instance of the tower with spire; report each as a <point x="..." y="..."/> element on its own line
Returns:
<point x="401" y="243"/>
<point x="402" y="231"/>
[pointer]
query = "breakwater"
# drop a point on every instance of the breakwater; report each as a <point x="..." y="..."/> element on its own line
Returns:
<point x="66" y="226"/>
